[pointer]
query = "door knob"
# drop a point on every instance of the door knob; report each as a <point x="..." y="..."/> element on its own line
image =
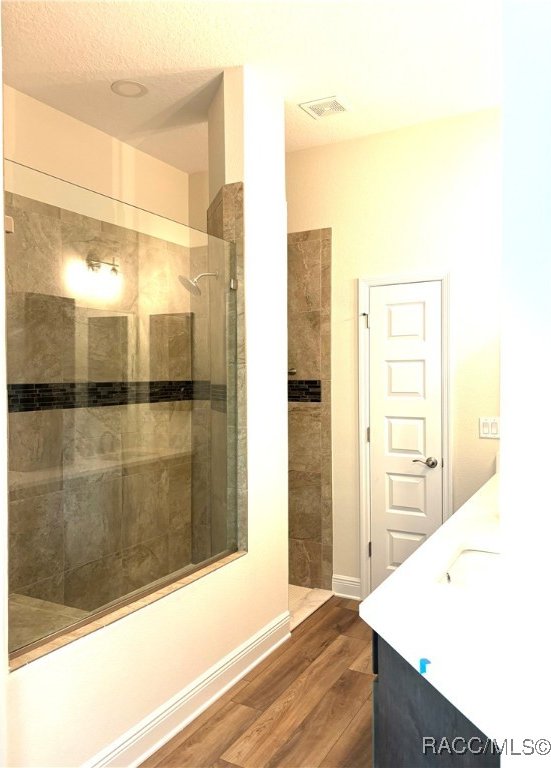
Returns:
<point x="431" y="462"/>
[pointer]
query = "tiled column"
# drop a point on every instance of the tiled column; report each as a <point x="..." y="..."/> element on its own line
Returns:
<point x="310" y="506"/>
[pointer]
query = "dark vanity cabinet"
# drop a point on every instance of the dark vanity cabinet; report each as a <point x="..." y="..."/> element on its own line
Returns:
<point x="415" y="726"/>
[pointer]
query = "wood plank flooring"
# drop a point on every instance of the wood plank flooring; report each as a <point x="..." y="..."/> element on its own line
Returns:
<point x="307" y="705"/>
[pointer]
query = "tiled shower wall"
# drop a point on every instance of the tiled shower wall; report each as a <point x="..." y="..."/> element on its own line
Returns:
<point x="309" y="329"/>
<point x="100" y="474"/>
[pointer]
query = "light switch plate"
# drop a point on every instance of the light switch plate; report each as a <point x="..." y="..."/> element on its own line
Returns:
<point x="488" y="427"/>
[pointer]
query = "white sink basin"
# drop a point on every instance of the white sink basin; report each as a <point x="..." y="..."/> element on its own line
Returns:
<point x="473" y="569"/>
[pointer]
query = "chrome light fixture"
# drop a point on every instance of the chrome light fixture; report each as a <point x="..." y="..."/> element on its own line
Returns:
<point x="94" y="264"/>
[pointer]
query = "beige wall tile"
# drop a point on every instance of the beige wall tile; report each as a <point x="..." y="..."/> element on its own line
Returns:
<point x="327" y="566"/>
<point x="326" y="522"/>
<point x="179" y="495"/>
<point x="89" y="433"/>
<point x="144" y="427"/>
<point x="200" y="430"/>
<point x="179" y="548"/>
<point x="305" y="437"/>
<point x="36" y="440"/>
<point x="92" y="512"/>
<point x="215" y="219"/>
<point x="325" y="302"/>
<point x="304" y="562"/>
<point x="218" y="302"/>
<point x="94" y="584"/>
<point x="35" y="539"/>
<point x="219" y="481"/>
<point x="145" y="507"/>
<point x="326" y="479"/>
<point x="325" y="360"/>
<point x="305" y="520"/>
<point x="305" y="344"/>
<point x="179" y="426"/>
<point x="108" y="348"/>
<point x="304" y="276"/>
<point x="170" y="347"/>
<point x="201" y="543"/>
<point x="41" y="338"/>
<point x="16" y="357"/>
<point x="33" y="206"/>
<point x="50" y="589"/>
<point x="309" y="234"/>
<point x="33" y="253"/>
<point x="144" y="563"/>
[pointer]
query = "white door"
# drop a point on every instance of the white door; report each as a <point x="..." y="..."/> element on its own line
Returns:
<point x="405" y="420"/>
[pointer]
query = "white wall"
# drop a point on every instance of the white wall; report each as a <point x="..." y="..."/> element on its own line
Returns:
<point x="266" y="327"/>
<point x="225" y="132"/>
<point x="233" y="109"/>
<point x="419" y="199"/>
<point x="50" y="141"/>
<point x="40" y="186"/>
<point x="80" y="700"/>
<point x="198" y="200"/>
<point x="216" y="139"/>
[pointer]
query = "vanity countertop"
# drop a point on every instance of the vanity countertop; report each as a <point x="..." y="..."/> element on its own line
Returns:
<point x="456" y="624"/>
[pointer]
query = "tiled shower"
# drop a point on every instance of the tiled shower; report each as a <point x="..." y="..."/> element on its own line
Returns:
<point x="122" y="411"/>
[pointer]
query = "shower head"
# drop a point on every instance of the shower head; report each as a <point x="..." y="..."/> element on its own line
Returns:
<point x="190" y="283"/>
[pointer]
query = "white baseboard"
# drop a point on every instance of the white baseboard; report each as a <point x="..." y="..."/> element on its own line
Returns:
<point x="137" y="744"/>
<point x="347" y="586"/>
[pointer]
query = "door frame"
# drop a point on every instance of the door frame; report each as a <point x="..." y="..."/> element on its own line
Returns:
<point x="363" y="287"/>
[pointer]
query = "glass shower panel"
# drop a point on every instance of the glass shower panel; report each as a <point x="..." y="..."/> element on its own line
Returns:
<point x="122" y="406"/>
<point x="214" y="346"/>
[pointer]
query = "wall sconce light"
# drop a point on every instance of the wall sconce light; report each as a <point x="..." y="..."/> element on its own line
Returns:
<point x="93" y="275"/>
<point x="94" y="264"/>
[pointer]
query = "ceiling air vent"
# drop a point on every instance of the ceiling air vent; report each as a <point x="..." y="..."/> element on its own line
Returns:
<point x="319" y="108"/>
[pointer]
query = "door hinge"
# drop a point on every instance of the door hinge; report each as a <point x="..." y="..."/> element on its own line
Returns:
<point x="365" y="314"/>
<point x="367" y="434"/>
<point x="9" y="225"/>
<point x="369" y="549"/>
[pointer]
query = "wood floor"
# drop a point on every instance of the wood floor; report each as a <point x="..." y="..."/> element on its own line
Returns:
<point x="306" y="705"/>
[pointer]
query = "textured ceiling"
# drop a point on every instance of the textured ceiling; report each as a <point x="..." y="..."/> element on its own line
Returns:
<point x="395" y="62"/>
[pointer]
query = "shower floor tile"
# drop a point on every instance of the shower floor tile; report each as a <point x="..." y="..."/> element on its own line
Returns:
<point x="303" y="602"/>
<point x="31" y="619"/>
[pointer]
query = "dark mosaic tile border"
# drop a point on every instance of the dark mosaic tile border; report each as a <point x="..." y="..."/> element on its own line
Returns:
<point x="304" y="391"/>
<point x="218" y="392"/>
<point x="98" y="394"/>
<point x="201" y="390"/>
<point x="218" y="397"/>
